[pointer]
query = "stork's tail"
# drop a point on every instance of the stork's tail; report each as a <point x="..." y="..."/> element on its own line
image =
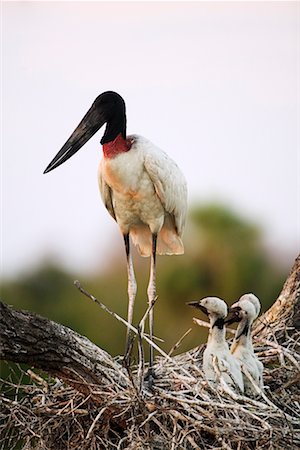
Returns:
<point x="168" y="241"/>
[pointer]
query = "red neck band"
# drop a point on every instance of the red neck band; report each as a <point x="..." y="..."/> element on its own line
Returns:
<point x="118" y="145"/>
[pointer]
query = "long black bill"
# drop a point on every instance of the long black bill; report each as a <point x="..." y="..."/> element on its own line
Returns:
<point x="198" y="305"/>
<point x="92" y="122"/>
<point x="234" y="315"/>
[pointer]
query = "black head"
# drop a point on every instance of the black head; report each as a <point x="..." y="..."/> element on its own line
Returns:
<point x="109" y="108"/>
<point x="113" y="108"/>
<point x="110" y="103"/>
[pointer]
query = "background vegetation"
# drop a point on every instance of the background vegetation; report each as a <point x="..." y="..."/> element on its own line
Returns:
<point x="225" y="256"/>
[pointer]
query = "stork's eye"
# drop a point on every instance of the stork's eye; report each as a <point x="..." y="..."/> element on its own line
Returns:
<point x="101" y="101"/>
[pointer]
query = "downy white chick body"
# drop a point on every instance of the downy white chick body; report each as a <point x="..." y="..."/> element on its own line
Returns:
<point x="217" y="347"/>
<point x="245" y="312"/>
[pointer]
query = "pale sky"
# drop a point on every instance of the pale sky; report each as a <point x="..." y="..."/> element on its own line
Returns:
<point x="216" y="85"/>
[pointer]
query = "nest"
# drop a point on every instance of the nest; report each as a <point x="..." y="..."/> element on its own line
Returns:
<point x="182" y="412"/>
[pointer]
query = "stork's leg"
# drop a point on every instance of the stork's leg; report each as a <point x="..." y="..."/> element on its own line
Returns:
<point x="151" y="291"/>
<point x="131" y="288"/>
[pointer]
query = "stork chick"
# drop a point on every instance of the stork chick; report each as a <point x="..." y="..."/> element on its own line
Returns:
<point x="245" y="312"/>
<point x="252" y="299"/>
<point x="216" y="310"/>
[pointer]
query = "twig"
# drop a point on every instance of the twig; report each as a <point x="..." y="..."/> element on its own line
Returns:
<point x="144" y="318"/>
<point x="120" y="319"/>
<point x="141" y="366"/>
<point x="175" y="346"/>
<point x="95" y="421"/>
<point x="203" y="323"/>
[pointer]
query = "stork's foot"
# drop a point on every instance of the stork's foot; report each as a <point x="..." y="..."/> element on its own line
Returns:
<point x="126" y="362"/>
<point x="150" y="377"/>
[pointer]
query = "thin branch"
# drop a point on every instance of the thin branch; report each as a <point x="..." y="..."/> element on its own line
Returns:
<point x="120" y="319"/>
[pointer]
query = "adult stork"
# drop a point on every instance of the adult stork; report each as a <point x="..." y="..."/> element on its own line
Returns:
<point x="141" y="186"/>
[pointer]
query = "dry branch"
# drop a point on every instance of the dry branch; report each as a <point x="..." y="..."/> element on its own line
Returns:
<point x="41" y="343"/>
<point x="284" y="315"/>
<point x="103" y="406"/>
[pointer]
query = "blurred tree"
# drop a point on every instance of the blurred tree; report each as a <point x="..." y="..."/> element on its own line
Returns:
<point x="225" y="256"/>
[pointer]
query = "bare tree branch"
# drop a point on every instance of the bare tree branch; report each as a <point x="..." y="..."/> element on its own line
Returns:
<point x="29" y="338"/>
<point x="284" y="315"/>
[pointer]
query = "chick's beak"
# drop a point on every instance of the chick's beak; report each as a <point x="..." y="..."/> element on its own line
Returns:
<point x="233" y="315"/>
<point x="198" y="305"/>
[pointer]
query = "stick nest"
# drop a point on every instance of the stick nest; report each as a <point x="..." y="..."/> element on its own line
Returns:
<point x="182" y="412"/>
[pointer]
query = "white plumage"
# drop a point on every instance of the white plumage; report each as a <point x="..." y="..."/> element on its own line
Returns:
<point x="145" y="192"/>
<point x="248" y="308"/>
<point x="141" y="186"/>
<point x="252" y="299"/>
<point x="217" y="348"/>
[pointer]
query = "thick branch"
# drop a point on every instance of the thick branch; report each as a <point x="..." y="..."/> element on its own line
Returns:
<point x="34" y="340"/>
<point x="284" y="314"/>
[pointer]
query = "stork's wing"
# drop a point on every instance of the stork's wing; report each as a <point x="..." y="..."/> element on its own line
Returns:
<point x="106" y="193"/>
<point x="169" y="183"/>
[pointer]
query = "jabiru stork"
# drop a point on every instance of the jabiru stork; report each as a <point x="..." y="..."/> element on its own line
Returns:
<point x="141" y="186"/>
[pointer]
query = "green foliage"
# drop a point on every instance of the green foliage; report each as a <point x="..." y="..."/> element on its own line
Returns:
<point x="224" y="256"/>
<point x="232" y="258"/>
